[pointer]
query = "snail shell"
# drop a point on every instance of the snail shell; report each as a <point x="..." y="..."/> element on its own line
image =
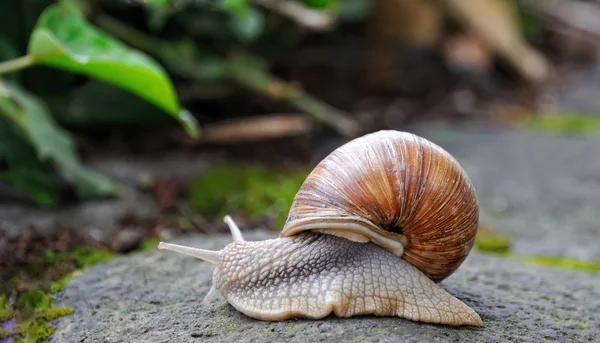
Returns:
<point x="398" y="190"/>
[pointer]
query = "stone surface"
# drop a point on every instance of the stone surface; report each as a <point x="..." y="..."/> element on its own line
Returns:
<point x="541" y="190"/>
<point x="155" y="296"/>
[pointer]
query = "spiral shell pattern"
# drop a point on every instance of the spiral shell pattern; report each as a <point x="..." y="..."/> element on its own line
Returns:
<point x="397" y="185"/>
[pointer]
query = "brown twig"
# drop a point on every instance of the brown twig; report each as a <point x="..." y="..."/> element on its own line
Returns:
<point x="248" y="71"/>
<point x="256" y="128"/>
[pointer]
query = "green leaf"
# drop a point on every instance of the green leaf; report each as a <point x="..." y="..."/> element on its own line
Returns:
<point x="51" y="142"/>
<point x="63" y="39"/>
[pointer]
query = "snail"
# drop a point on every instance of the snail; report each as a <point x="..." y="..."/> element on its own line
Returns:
<point x="373" y="230"/>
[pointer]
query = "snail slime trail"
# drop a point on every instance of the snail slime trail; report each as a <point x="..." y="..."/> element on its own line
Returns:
<point x="374" y="228"/>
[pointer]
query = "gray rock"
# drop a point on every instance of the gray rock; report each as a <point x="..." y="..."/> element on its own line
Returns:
<point x="541" y="190"/>
<point x="155" y="297"/>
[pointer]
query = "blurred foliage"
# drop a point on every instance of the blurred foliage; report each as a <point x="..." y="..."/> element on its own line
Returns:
<point x="50" y="142"/>
<point x="61" y="64"/>
<point x="83" y="257"/>
<point x="253" y="191"/>
<point x="72" y="63"/>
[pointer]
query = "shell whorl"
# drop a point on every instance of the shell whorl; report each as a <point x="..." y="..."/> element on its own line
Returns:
<point x="397" y="187"/>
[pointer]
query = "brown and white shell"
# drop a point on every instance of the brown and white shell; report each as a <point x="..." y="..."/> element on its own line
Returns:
<point x="397" y="190"/>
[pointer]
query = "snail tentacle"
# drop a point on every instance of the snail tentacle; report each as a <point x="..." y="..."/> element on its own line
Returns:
<point x="235" y="230"/>
<point x="214" y="257"/>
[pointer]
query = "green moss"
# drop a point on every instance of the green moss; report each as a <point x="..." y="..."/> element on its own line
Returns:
<point x="4" y="333"/>
<point x="490" y="242"/>
<point x="40" y="309"/>
<point x="563" y="262"/>
<point x="487" y="241"/>
<point x="35" y="308"/>
<point x="567" y="123"/>
<point x="5" y="315"/>
<point x="54" y="313"/>
<point x="35" y="331"/>
<point x="59" y="285"/>
<point x="148" y="244"/>
<point x="83" y="256"/>
<point x="251" y="190"/>
<point x="4" y="300"/>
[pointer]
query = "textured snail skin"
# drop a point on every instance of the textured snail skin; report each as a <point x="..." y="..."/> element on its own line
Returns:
<point x="313" y="275"/>
<point x="398" y="190"/>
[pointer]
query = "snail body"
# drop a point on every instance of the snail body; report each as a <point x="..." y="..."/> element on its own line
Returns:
<point x="372" y="231"/>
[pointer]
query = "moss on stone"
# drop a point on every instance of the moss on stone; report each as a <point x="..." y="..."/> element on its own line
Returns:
<point x="5" y="311"/>
<point x="563" y="262"/>
<point x="4" y="333"/>
<point x="59" y="285"/>
<point x="487" y="241"/>
<point x="34" y="331"/>
<point x="38" y="310"/>
<point x="565" y="123"/>
<point x="148" y="244"/>
<point x="37" y="329"/>
<point x="252" y="190"/>
<point x="83" y="256"/>
<point x="490" y="242"/>
<point x="54" y="313"/>
<point x="34" y="307"/>
<point x="5" y="315"/>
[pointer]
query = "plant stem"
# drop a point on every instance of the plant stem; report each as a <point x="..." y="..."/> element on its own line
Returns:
<point x="16" y="64"/>
<point x="248" y="71"/>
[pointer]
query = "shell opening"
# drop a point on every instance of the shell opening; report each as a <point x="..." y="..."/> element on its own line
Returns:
<point x="357" y="233"/>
